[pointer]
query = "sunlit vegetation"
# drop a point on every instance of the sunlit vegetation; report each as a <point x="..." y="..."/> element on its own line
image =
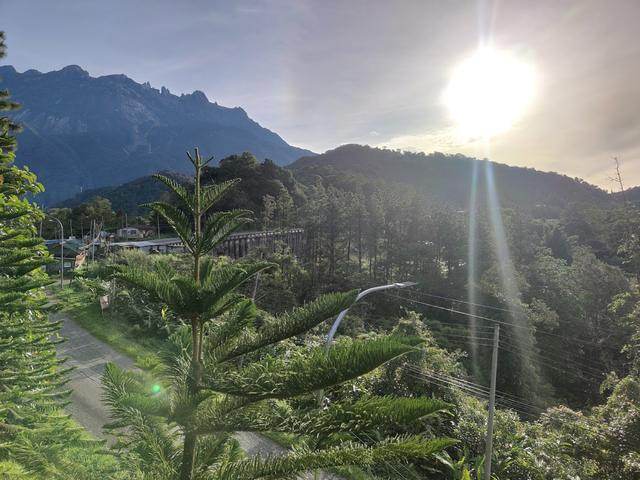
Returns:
<point x="227" y="345"/>
<point x="577" y="270"/>
<point x="37" y="439"/>
<point x="231" y="368"/>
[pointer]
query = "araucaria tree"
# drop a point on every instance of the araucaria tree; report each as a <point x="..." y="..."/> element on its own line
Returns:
<point x="37" y="440"/>
<point x="232" y="368"/>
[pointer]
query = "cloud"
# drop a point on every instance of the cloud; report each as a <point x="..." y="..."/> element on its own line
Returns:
<point x="445" y="140"/>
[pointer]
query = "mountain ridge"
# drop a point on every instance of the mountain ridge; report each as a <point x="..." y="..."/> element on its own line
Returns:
<point x="86" y="132"/>
<point x="524" y="188"/>
<point x="447" y="177"/>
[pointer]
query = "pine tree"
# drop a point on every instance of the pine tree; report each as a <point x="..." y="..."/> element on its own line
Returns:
<point x="227" y="370"/>
<point x="37" y="440"/>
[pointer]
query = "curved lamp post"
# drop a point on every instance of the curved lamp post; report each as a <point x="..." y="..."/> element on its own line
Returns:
<point x="343" y="313"/>
<point x="361" y="295"/>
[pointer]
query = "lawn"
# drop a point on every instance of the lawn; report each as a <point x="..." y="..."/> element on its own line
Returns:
<point x="109" y="327"/>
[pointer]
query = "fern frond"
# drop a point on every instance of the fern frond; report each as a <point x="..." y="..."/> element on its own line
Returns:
<point x="177" y="220"/>
<point x="219" y="226"/>
<point x="290" y="324"/>
<point x="397" y="451"/>
<point x="212" y="194"/>
<point x="180" y="190"/>
<point x="276" y="378"/>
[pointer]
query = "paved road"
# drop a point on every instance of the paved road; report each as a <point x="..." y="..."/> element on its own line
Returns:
<point x="89" y="355"/>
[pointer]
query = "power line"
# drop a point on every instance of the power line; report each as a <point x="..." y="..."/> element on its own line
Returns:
<point x="455" y="335"/>
<point x="489" y="319"/>
<point x="448" y="384"/>
<point x="587" y="378"/>
<point x="451" y="381"/>
<point x="549" y="354"/>
<point x="492" y="307"/>
<point x="479" y="391"/>
<point x="465" y="343"/>
<point x="457" y="300"/>
<point x="555" y="357"/>
<point x="482" y="388"/>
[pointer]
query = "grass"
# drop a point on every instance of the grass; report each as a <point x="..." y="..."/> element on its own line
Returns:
<point x="109" y="327"/>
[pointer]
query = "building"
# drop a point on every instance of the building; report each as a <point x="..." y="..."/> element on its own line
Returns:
<point x="72" y="248"/>
<point x="135" y="232"/>
<point x="237" y="245"/>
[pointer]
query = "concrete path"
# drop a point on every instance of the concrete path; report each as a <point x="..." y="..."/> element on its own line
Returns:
<point x="89" y="355"/>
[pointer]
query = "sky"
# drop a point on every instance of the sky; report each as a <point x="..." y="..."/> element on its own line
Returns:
<point x="322" y="73"/>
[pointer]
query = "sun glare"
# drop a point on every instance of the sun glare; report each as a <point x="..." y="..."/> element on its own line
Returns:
<point x="488" y="92"/>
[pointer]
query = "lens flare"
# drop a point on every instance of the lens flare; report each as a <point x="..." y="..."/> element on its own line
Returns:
<point x="489" y="92"/>
<point x="471" y="270"/>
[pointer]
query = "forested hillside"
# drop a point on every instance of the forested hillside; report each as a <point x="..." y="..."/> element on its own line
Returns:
<point x="439" y="179"/>
<point x="568" y="356"/>
<point x="126" y="197"/>
<point x="445" y="178"/>
<point x="629" y="195"/>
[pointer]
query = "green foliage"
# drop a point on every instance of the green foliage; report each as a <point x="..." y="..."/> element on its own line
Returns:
<point x="112" y="326"/>
<point x="226" y="371"/>
<point x="36" y="439"/>
<point x="393" y="451"/>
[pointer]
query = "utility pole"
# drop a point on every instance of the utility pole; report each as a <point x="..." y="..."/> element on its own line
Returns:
<point x="492" y="404"/>
<point x="61" y="249"/>
<point x="93" y="239"/>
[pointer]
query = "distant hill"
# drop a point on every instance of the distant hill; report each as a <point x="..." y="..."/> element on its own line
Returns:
<point x="443" y="179"/>
<point x="82" y="132"/>
<point x="257" y="180"/>
<point x="630" y="195"/>
<point x="129" y="196"/>
<point x="447" y="178"/>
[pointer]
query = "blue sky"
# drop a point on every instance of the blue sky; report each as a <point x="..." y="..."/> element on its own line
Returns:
<point x="327" y="72"/>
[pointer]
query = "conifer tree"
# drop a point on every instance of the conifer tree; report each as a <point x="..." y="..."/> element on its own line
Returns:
<point x="227" y="370"/>
<point x="37" y="440"/>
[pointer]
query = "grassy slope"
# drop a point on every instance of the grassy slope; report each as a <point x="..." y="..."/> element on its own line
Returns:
<point x="110" y="327"/>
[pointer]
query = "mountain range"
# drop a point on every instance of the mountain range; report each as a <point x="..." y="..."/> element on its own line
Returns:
<point x="90" y="136"/>
<point x="82" y="132"/>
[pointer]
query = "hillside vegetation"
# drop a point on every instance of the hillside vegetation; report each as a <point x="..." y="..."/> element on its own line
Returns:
<point x="446" y="178"/>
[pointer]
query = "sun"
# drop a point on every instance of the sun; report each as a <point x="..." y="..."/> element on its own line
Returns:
<point x="489" y="92"/>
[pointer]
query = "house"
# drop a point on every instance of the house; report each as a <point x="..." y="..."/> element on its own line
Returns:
<point x="162" y="245"/>
<point x="73" y="247"/>
<point x="135" y="232"/>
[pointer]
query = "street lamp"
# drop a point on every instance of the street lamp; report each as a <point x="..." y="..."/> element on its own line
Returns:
<point x="341" y="315"/>
<point x="61" y="249"/>
<point x="361" y="295"/>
